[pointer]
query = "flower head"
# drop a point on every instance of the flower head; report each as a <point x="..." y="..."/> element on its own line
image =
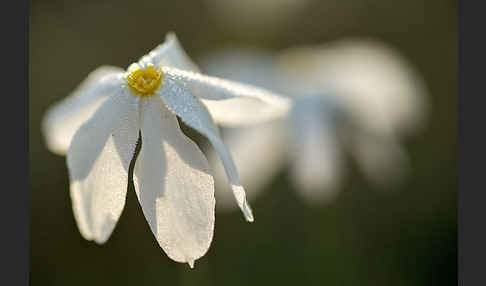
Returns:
<point x="98" y="127"/>
<point x="358" y="95"/>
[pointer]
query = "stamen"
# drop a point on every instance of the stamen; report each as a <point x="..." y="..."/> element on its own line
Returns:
<point x="144" y="82"/>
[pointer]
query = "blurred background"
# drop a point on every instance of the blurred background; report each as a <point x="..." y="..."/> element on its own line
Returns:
<point x="406" y="236"/>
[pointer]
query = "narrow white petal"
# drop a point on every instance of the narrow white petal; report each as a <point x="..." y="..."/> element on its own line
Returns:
<point x="317" y="159"/>
<point x="173" y="185"/>
<point x="259" y="153"/>
<point x="98" y="161"/>
<point x="64" y="118"/>
<point x="195" y="114"/>
<point x="254" y="67"/>
<point x="232" y="103"/>
<point x="240" y="111"/>
<point x="170" y="53"/>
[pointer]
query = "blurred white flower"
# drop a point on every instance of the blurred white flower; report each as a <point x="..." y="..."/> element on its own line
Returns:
<point x="354" y="94"/>
<point x="98" y="127"/>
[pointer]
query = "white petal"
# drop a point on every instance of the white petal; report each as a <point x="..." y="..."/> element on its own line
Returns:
<point x="232" y="103"/>
<point x="241" y="111"/>
<point x="317" y="160"/>
<point x="254" y="67"/>
<point x="195" y="114"/>
<point x="170" y="53"/>
<point x="98" y="161"/>
<point x="173" y="185"/>
<point x="64" y="118"/>
<point x="259" y="153"/>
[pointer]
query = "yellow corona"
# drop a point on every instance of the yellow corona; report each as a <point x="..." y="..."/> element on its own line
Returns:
<point x="144" y="82"/>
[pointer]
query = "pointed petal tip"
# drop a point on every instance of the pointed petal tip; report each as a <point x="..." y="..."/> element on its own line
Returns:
<point x="240" y="196"/>
<point x="247" y="211"/>
<point x="101" y="238"/>
<point x="98" y="241"/>
<point x="249" y="218"/>
<point x="191" y="264"/>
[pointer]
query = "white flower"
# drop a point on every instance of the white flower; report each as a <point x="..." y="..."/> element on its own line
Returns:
<point x="98" y="126"/>
<point x="354" y="94"/>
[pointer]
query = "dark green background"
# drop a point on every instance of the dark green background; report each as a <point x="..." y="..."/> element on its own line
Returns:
<point x="365" y="237"/>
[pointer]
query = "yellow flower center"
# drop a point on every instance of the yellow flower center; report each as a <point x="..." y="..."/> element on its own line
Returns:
<point x="144" y="82"/>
